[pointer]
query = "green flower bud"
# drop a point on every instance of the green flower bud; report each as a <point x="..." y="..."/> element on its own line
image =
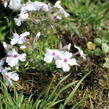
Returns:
<point x="105" y="48"/>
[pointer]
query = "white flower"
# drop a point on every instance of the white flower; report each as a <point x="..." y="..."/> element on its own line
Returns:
<point x="13" y="57"/>
<point x="20" y="39"/>
<point x="28" y="7"/>
<point x="1" y="65"/>
<point x="50" y="55"/>
<point x="34" y="6"/>
<point x="22" y="17"/>
<point x="61" y="9"/>
<point x="15" y="4"/>
<point x="81" y="52"/>
<point x="65" y="61"/>
<point x="9" y="76"/>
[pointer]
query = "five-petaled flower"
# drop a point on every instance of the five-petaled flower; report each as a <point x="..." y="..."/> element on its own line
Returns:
<point x="20" y="39"/>
<point x="65" y="61"/>
<point x="13" y="57"/>
<point x="50" y="55"/>
<point x="9" y="76"/>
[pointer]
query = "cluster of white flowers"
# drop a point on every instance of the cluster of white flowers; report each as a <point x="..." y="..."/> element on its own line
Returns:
<point x="35" y="6"/>
<point x="63" y="59"/>
<point x="13" y="57"/>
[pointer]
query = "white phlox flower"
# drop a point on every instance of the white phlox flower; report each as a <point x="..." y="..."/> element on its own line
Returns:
<point x="37" y="6"/>
<point x="81" y="52"/>
<point x="61" y="9"/>
<point x="19" y="39"/>
<point x="22" y="17"/>
<point x="9" y="76"/>
<point x="15" y="4"/>
<point x="1" y="65"/>
<point x="34" y="6"/>
<point x="14" y="57"/>
<point x="65" y="61"/>
<point x="50" y="55"/>
<point x="28" y="7"/>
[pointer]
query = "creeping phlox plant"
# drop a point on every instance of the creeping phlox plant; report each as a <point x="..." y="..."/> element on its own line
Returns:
<point x="63" y="59"/>
<point x="34" y="6"/>
<point x="12" y="58"/>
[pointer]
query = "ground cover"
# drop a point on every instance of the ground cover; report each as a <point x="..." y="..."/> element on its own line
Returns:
<point x="46" y="79"/>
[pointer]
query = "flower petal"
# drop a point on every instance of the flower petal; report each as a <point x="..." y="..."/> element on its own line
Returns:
<point x="67" y="55"/>
<point x="59" y="63"/>
<point x="14" y="76"/>
<point x="25" y="34"/>
<point x="15" y="39"/>
<point x="8" y="82"/>
<point x="72" y="62"/>
<point x="12" y="62"/>
<point x="65" y="67"/>
<point x="48" y="59"/>
<point x="22" y="40"/>
<point x="22" y="57"/>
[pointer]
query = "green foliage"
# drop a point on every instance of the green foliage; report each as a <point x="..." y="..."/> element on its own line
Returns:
<point x="2" y="34"/>
<point x="46" y="100"/>
<point x="6" y="23"/>
<point x="82" y="13"/>
<point x="87" y="12"/>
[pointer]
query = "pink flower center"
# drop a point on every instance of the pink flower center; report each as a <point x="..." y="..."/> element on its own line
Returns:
<point x="53" y="54"/>
<point x="65" y="60"/>
<point x="7" y="76"/>
<point x="15" y="56"/>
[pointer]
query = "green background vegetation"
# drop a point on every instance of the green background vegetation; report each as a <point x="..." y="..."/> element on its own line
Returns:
<point x="87" y="27"/>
